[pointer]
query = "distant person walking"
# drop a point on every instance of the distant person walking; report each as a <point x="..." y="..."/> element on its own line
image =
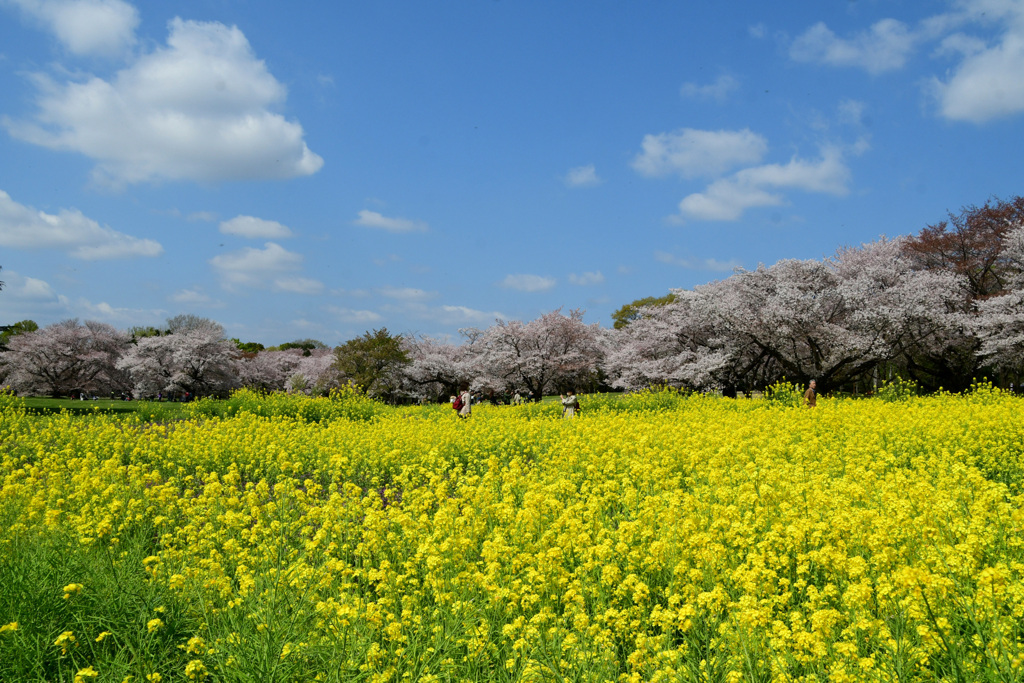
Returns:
<point x="467" y="402"/>
<point x="570" y="404"/>
<point x="811" y="395"/>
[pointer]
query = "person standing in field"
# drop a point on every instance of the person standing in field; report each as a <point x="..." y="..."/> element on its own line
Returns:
<point x="467" y="402"/>
<point x="570" y="404"/>
<point x="811" y="395"/>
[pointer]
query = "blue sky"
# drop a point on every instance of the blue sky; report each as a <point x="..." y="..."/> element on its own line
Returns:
<point x="319" y="169"/>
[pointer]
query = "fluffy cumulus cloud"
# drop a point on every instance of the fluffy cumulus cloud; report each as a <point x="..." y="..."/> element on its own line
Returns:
<point x="85" y="27"/>
<point x="692" y="153"/>
<point x="982" y="84"/>
<point x="589" y="278"/>
<point x="884" y="47"/>
<point x="987" y="83"/>
<point x="272" y="267"/>
<point x="582" y="176"/>
<point x="528" y="283"/>
<point x="255" y="228"/>
<point x="27" y="289"/>
<point x="726" y="199"/>
<point x="199" y="108"/>
<point x="22" y="227"/>
<point x="373" y="219"/>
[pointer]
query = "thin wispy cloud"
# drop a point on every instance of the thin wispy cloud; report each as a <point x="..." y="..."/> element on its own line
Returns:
<point x="718" y="91"/>
<point x="406" y="293"/>
<point x="528" y="283"/>
<point x="373" y="219"/>
<point x="587" y="279"/>
<point x="350" y="315"/>
<point x="255" y="228"/>
<point x="194" y="295"/>
<point x="582" y="176"/>
<point x="710" y="264"/>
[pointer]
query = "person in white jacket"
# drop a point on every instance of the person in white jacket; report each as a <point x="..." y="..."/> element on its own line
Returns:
<point x="467" y="402"/>
<point x="570" y="404"/>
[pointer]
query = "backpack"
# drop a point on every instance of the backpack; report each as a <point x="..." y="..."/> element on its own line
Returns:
<point x="457" y="403"/>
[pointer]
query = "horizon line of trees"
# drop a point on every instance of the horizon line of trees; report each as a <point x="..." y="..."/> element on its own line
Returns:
<point x="942" y="308"/>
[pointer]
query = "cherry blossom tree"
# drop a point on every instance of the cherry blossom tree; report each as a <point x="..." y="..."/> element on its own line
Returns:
<point x="268" y="370"/>
<point x="674" y="343"/>
<point x="834" y="320"/>
<point x="316" y="373"/>
<point x="437" y="368"/>
<point x="66" y="358"/>
<point x="554" y="352"/>
<point x="199" y="361"/>
<point x="1000" y="320"/>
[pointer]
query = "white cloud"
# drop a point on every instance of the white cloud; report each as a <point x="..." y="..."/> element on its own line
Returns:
<point x="987" y="84"/>
<point x="349" y="315"/>
<point x="461" y="314"/>
<point x="884" y="47"/>
<point x="23" y="227"/>
<point x="201" y="216"/>
<point x="256" y="228"/>
<point x="582" y="176"/>
<point x="594" y="278"/>
<point x="372" y="219"/>
<point x="105" y="312"/>
<point x="26" y="289"/>
<point x="406" y="293"/>
<point x="86" y="27"/>
<point x="851" y="112"/>
<point x="190" y="296"/>
<point x="197" y="109"/>
<point x="757" y="31"/>
<point x="298" y="285"/>
<point x="726" y="199"/>
<point x="959" y="44"/>
<point x="528" y="283"/>
<point x="692" y="153"/>
<point x="259" y="268"/>
<point x="718" y="91"/>
<point x="447" y="314"/>
<point x="697" y="264"/>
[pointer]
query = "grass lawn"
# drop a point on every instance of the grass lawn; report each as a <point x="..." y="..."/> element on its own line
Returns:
<point x="42" y="406"/>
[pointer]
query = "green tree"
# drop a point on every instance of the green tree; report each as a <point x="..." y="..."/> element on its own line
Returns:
<point x="374" y="362"/>
<point x="307" y="345"/>
<point x="20" y="327"/>
<point x="631" y="311"/>
<point x="247" y="347"/>
<point x="138" y="332"/>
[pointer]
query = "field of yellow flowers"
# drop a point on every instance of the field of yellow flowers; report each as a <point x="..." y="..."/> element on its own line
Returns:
<point x="656" y="537"/>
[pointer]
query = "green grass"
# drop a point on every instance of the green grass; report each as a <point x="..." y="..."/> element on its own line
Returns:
<point x="164" y="410"/>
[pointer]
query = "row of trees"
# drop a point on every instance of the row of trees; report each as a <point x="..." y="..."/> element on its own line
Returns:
<point x="942" y="307"/>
